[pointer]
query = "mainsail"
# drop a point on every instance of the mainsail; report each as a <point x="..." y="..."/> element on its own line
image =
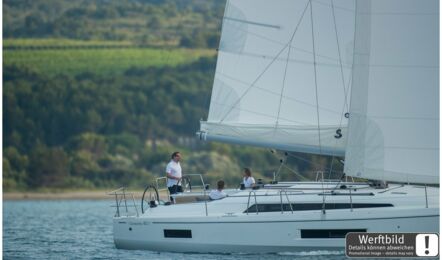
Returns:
<point x="283" y="75"/>
<point x="394" y="113"/>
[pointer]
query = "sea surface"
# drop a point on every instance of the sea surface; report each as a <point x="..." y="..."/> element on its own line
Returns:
<point x="82" y="229"/>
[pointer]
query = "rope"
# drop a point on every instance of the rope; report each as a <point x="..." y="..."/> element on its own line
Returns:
<point x="286" y="66"/>
<point x="308" y="161"/>
<point x="346" y="106"/>
<point x="339" y="54"/>
<point x="316" y="81"/>
<point x="283" y="83"/>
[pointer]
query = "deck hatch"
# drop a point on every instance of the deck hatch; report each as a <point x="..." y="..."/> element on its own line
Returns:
<point x="328" y="233"/>
<point x="178" y="233"/>
<point x="275" y="207"/>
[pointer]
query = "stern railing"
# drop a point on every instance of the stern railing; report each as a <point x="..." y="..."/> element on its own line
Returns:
<point x="121" y="202"/>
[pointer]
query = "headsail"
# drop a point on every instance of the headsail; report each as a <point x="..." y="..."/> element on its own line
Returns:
<point x="394" y="113"/>
<point x="283" y="74"/>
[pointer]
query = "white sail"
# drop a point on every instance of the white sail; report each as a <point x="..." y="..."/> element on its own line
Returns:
<point x="281" y="78"/>
<point x="282" y="81"/>
<point x="394" y="113"/>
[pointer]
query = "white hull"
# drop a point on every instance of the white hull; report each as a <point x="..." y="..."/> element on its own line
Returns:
<point x="235" y="231"/>
<point x="216" y="235"/>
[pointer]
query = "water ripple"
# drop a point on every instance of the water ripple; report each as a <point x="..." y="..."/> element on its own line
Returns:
<point x="83" y="230"/>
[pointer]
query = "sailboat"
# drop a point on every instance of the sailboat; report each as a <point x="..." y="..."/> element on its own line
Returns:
<point x="357" y="79"/>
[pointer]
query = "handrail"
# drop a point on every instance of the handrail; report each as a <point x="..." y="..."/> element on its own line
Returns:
<point x="114" y="191"/>
<point x="351" y="201"/>
<point x="317" y="175"/>
<point x="120" y="197"/>
<point x="323" y="198"/>
<point x="280" y="195"/>
<point x="158" y="188"/>
<point x="392" y="188"/>
<point x="320" y="177"/>
<point x="287" y="197"/>
<point x="195" y="174"/>
<point x="133" y="201"/>
<point x="426" y="197"/>
<point x="160" y="178"/>
<point x="248" y="202"/>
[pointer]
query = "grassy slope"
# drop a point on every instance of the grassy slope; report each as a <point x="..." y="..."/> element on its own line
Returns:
<point x="101" y="61"/>
<point x="58" y="42"/>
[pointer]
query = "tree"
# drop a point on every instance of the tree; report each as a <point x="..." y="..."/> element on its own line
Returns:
<point x="34" y="23"/>
<point x="49" y="167"/>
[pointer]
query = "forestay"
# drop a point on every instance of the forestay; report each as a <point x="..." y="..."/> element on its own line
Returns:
<point x="394" y="114"/>
<point x="283" y="74"/>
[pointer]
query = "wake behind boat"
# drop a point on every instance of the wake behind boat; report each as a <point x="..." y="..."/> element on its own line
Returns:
<point x="347" y="78"/>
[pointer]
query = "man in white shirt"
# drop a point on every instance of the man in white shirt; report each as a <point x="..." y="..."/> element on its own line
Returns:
<point x="218" y="193"/>
<point x="173" y="173"/>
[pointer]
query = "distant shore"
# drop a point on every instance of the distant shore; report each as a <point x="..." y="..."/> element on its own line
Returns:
<point x="63" y="195"/>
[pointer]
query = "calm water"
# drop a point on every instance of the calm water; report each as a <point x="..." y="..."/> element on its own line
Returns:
<point x="69" y="229"/>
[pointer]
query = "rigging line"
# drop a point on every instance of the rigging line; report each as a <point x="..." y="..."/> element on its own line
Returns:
<point x="316" y="81"/>
<point x="309" y="161"/>
<point x="339" y="53"/>
<point x="340" y="126"/>
<point x="283" y="81"/>
<point x="331" y="167"/>
<point x="282" y="44"/>
<point x="337" y="7"/>
<point x="265" y="69"/>
<point x="300" y="176"/>
<point x="262" y="114"/>
<point x="277" y="94"/>
<point x="298" y="61"/>
<point x="345" y="107"/>
<point x="299" y="124"/>
<point x="252" y="22"/>
<point x="350" y="80"/>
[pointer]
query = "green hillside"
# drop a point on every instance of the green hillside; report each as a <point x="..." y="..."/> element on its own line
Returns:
<point x="53" y="57"/>
<point x="98" y="94"/>
<point x="187" y="23"/>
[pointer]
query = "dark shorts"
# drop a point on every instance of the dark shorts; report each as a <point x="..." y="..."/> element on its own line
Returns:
<point x="175" y="189"/>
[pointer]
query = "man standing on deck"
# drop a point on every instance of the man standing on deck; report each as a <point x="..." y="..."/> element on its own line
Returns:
<point x="173" y="173"/>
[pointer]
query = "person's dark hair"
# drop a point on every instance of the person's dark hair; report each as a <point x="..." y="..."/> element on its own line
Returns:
<point x="174" y="155"/>
<point x="248" y="172"/>
<point x="220" y="184"/>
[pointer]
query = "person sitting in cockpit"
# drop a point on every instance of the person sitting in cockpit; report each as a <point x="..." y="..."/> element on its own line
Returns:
<point x="218" y="193"/>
